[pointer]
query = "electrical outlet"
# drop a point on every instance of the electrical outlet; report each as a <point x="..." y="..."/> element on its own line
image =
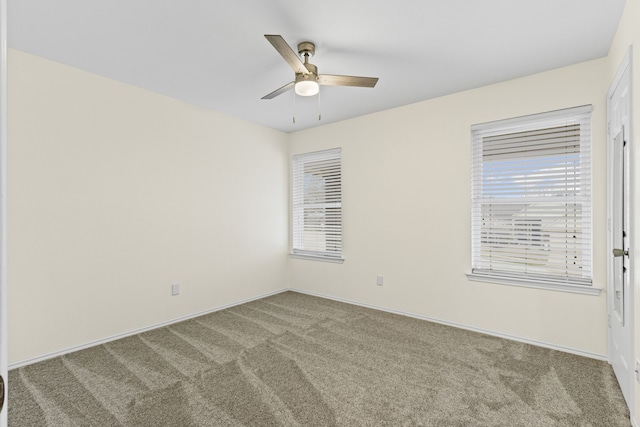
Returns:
<point x="175" y="289"/>
<point x="638" y="370"/>
<point x="379" y="280"/>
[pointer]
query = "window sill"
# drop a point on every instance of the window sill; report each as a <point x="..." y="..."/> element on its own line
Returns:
<point x="317" y="258"/>
<point x="536" y="284"/>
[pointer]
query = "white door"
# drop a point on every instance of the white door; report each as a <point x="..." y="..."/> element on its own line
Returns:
<point x="619" y="287"/>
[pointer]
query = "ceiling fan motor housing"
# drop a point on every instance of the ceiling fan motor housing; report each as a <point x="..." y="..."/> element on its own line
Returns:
<point x="312" y="76"/>
<point x="313" y="71"/>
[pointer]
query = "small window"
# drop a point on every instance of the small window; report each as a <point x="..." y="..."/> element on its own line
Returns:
<point x="531" y="198"/>
<point x="317" y="205"/>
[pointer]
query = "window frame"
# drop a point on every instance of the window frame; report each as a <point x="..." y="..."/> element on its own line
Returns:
<point x="329" y="163"/>
<point x="509" y="127"/>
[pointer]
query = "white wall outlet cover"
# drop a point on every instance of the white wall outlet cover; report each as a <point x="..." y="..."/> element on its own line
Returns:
<point x="379" y="280"/>
<point x="175" y="289"/>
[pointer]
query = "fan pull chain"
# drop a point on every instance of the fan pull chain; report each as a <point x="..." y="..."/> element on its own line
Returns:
<point x="319" y="110"/>
<point x="294" y="107"/>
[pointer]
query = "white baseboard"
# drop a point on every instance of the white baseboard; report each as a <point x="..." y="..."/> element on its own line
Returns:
<point x="461" y="326"/>
<point x="30" y="361"/>
<point x="62" y="352"/>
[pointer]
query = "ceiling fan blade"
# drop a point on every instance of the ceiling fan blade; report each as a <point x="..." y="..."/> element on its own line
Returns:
<point x="331" y="80"/>
<point x="280" y="91"/>
<point x="287" y="53"/>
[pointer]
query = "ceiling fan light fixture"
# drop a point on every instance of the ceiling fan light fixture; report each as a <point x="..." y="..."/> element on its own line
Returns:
<point x="307" y="87"/>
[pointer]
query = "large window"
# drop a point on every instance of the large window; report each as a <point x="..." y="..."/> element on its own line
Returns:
<point x="317" y="205"/>
<point x="531" y="198"/>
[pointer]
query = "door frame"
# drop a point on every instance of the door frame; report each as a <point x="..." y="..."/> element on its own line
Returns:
<point x="3" y="203"/>
<point x="629" y="314"/>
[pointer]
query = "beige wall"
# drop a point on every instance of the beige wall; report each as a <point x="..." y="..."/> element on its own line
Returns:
<point x="116" y="192"/>
<point x="628" y="35"/>
<point x="406" y="201"/>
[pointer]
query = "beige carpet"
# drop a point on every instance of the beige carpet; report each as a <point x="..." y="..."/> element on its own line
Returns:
<point x="297" y="360"/>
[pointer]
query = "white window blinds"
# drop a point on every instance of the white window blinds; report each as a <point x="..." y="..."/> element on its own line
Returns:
<point x="531" y="197"/>
<point x="317" y="204"/>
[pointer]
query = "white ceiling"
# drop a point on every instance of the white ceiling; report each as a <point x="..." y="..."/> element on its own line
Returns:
<point x="213" y="52"/>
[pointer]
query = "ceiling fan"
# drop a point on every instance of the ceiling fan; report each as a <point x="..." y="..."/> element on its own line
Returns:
<point x="307" y="81"/>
